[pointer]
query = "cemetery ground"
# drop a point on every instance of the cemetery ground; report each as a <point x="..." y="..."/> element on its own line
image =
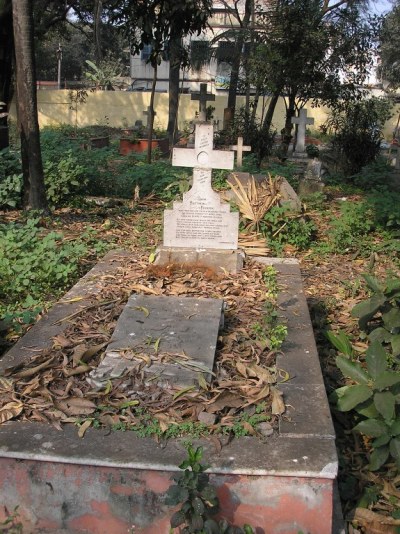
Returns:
<point x="345" y="231"/>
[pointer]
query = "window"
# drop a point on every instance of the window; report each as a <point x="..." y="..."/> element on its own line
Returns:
<point x="225" y="51"/>
<point x="199" y="54"/>
<point x="145" y="53"/>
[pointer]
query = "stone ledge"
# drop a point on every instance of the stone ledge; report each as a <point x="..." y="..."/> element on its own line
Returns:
<point x="219" y="260"/>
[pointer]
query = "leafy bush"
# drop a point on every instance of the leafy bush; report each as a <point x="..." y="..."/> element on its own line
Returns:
<point x="351" y="230"/>
<point x="10" y="179"/>
<point x="63" y="179"/>
<point x="199" y="500"/>
<point x="253" y="134"/>
<point x="357" y="128"/>
<point x="376" y="389"/>
<point x="280" y="228"/>
<point x="373" y="176"/>
<point x="34" y="266"/>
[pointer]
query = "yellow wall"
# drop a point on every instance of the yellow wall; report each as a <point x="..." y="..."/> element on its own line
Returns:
<point x="119" y="108"/>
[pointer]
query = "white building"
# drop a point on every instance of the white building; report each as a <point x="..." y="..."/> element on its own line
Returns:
<point x="215" y="73"/>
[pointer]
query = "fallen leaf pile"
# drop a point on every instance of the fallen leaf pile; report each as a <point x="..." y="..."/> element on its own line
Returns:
<point x="52" y="386"/>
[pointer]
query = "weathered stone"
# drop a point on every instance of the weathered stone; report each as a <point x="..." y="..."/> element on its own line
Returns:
<point x="201" y="220"/>
<point x="179" y="336"/>
<point x="302" y="121"/>
<point x="220" y="261"/>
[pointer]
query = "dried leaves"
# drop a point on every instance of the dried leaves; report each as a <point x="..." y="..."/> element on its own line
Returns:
<point x="52" y="386"/>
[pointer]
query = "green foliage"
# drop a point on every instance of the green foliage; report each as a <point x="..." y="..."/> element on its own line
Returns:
<point x="351" y="230"/>
<point x="312" y="151"/>
<point x="10" y="179"/>
<point x="253" y="133"/>
<point x="34" y="265"/>
<point x="280" y="228"/>
<point x="11" y="525"/>
<point x="379" y="315"/>
<point x="63" y="178"/>
<point x="375" y="392"/>
<point x="357" y="128"/>
<point x="373" y="176"/>
<point x="198" y="499"/>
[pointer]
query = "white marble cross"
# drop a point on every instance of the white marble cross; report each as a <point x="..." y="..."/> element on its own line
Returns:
<point x="239" y="149"/>
<point x="302" y="120"/>
<point x="203" y="97"/>
<point x="203" y="155"/>
<point x="148" y="115"/>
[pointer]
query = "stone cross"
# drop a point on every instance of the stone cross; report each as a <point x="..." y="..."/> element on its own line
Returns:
<point x="203" y="155"/>
<point x="148" y="115"/>
<point x="203" y="97"/>
<point x="201" y="221"/>
<point x="302" y="120"/>
<point x="239" y="149"/>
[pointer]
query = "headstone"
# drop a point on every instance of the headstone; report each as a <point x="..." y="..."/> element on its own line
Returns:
<point x="312" y="181"/>
<point x="302" y="120"/>
<point x="239" y="149"/>
<point x="171" y="339"/>
<point x="201" y="228"/>
<point x="203" y="97"/>
<point x="201" y="220"/>
<point x="148" y="115"/>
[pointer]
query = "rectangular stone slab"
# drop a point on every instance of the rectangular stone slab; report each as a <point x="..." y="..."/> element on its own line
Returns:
<point x="179" y="334"/>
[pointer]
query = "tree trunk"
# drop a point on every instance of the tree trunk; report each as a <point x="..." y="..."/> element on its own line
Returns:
<point x="151" y="110"/>
<point x="270" y="111"/>
<point x="174" y="68"/>
<point x="32" y="167"/>
<point x="287" y="129"/>
<point x="234" y="81"/>
<point x="97" y="11"/>
<point x="6" y="60"/>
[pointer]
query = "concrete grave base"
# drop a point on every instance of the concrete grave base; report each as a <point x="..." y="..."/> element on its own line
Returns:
<point x="114" y="482"/>
<point x="220" y="261"/>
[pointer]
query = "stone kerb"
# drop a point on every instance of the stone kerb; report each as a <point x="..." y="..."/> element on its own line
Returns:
<point x="109" y="481"/>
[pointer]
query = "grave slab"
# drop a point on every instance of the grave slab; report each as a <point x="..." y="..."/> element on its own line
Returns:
<point x="110" y="481"/>
<point x="186" y="333"/>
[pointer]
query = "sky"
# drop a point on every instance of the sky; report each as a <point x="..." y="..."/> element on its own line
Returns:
<point x="380" y="6"/>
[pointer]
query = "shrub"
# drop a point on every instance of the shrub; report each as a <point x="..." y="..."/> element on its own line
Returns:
<point x="34" y="266"/>
<point x="10" y="179"/>
<point x="375" y="390"/>
<point x="280" y="228"/>
<point x="357" y="128"/>
<point x="63" y="179"/>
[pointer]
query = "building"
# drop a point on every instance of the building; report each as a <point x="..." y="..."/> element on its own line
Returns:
<point x="212" y="44"/>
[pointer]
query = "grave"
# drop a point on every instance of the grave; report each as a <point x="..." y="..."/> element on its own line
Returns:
<point x="302" y="121"/>
<point x="201" y="228"/>
<point x="239" y="148"/>
<point x="312" y="180"/>
<point x="111" y="481"/>
<point x="203" y="97"/>
<point x="170" y="323"/>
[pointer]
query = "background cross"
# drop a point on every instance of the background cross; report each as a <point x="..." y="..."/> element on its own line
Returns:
<point x="239" y="149"/>
<point x="203" y="97"/>
<point x="302" y="120"/>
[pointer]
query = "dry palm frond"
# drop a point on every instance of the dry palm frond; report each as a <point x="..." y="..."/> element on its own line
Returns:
<point x="255" y="198"/>
<point x="253" y="244"/>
